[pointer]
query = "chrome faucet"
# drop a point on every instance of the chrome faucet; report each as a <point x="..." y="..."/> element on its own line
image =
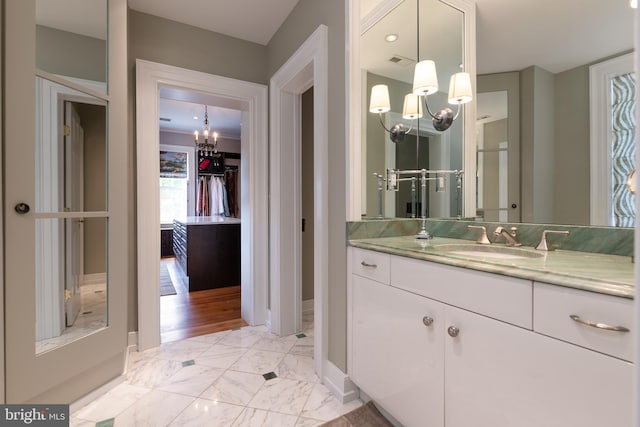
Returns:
<point x="511" y="239"/>
<point x="483" y="239"/>
<point x="543" y="246"/>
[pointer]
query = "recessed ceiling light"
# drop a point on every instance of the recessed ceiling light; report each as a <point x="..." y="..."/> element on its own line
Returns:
<point x="391" y="37"/>
<point x="195" y="117"/>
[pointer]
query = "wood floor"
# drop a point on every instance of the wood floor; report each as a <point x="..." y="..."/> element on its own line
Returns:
<point x="189" y="314"/>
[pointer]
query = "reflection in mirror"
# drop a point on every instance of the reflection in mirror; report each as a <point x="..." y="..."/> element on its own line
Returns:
<point x="71" y="200"/>
<point x="72" y="44"/>
<point x="391" y="61"/>
<point x="71" y="286"/>
<point x="492" y="142"/>
<point x="563" y="155"/>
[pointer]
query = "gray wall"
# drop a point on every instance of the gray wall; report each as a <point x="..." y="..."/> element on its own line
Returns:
<point x="160" y="40"/>
<point x="537" y="144"/>
<point x="376" y="138"/>
<point x="70" y="54"/>
<point x="225" y="145"/>
<point x="300" y="24"/>
<point x="572" y="148"/>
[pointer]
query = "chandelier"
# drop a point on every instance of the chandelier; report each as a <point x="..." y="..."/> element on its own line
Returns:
<point x="206" y="145"/>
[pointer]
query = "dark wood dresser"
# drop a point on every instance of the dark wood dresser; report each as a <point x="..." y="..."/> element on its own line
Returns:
<point x="208" y="251"/>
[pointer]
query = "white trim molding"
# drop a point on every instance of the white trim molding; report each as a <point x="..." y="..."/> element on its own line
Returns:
<point x="339" y="383"/>
<point x="307" y="67"/>
<point x="251" y="99"/>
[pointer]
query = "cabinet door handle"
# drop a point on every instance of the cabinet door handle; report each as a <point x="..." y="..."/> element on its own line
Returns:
<point x="598" y="325"/>
<point x="366" y="264"/>
<point x="453" y="331"/>
<point x="427" y="320"/>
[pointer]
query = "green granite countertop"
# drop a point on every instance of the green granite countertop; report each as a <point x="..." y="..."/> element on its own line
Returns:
<point x="602" y="273"/>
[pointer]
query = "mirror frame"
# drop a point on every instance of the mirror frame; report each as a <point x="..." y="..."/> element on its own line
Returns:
<point x="357" y="99"/>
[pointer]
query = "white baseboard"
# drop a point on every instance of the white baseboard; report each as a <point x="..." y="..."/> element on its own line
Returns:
<point x="94" y="279"/>
<point x="100" y="391"/>
<point x="132" y="340"/>
<point x="307" y="306"/>
<point x="339" y="383"/>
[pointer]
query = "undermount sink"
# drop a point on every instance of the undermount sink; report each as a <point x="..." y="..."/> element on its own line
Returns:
<point x="488" y="251"/>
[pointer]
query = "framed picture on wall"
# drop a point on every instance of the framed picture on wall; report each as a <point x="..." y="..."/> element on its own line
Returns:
<point x="173" y="164"/>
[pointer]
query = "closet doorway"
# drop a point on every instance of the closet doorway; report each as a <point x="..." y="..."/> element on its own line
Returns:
<point x="198" y="183"/>
<point x="251" y="100"/>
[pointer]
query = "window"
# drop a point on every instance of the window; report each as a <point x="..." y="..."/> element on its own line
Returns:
<point x="176" y="178"/>
<point x="613" y="122"/>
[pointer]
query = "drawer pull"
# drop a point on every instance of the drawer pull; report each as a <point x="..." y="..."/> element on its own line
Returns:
<point x="427" y="320"/>
<point x="598" y="324"/>
<point x="366" y="264"/>
<point x="453" y="331"/>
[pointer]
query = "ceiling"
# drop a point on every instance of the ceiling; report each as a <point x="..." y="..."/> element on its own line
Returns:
<point x="511" y="35"/>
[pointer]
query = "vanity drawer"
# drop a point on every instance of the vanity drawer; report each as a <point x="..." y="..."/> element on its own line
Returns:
<point x="553" y="305"/>
<point x="500" y="297"/>
<point x="370" y="264"/>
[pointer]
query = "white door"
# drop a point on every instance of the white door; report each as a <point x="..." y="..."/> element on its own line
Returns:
<point x="398" y="357"/>
<point x="61" y="368"/>
<point x="73" y="202"/>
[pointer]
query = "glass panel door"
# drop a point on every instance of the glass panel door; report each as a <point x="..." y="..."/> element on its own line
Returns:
<point x="60" y="340"/>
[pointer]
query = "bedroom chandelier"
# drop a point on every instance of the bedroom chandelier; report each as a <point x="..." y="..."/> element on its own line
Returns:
<point x="205" y="145"/>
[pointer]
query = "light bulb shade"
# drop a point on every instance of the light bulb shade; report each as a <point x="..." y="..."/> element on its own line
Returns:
<point x="379" y="102"/>
<point x="460" y="89"/>
<point x="412" y="107"/>
<point x="425" y="79"/>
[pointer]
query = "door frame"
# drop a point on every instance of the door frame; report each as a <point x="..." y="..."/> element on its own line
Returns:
<point x="249" y="97"/>
<point x="307" y="67"/>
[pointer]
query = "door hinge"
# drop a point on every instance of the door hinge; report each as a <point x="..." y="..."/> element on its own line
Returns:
<point x="67" y="130"/>
<point x="67" y="294"/>
<point x="304" y="223"/>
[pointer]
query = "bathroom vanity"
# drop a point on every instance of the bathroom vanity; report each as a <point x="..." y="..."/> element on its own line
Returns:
<point x="439" y="337"/>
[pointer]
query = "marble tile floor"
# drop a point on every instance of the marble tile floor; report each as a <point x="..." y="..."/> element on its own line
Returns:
<point x="245" y="377"/>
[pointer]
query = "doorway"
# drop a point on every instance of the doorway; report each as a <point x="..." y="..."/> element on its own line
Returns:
<point x="200" y="263"/>
<point x="251" y="99"/>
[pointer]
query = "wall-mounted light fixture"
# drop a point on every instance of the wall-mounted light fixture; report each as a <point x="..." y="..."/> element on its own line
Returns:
<point x="379" y="103"/>
<point x="425" y="83"/>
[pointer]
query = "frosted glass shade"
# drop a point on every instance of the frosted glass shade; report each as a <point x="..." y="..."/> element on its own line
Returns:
<point x="412" y="107"/>
<point x="460" y="89"/>
<point x="379" y="102"/>
<point x="425" y="79"/>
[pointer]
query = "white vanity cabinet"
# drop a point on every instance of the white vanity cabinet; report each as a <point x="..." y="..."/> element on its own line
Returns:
<point x="444" y="346"/>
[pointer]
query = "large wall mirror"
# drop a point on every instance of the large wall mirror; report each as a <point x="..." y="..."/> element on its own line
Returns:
<point x="395" y="36"/>
<point x="552" y="142"/>
<point x="542" y="157"/>
<point x="71" y="171"/>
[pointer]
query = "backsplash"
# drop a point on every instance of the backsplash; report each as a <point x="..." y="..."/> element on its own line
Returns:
<point x="605" y="240"/>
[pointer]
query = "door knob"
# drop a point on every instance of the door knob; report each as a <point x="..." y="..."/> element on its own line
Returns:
<point x="428" y="321"/>
<point x="453" y="331"/>
<point x="22" y="208"/>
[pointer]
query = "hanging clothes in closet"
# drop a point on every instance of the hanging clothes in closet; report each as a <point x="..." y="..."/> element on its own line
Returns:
<point x="203" y="199"/>
<point x="217" y="196"/>
<point x="231" y="180"/>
